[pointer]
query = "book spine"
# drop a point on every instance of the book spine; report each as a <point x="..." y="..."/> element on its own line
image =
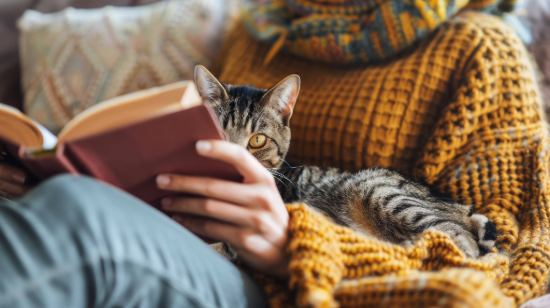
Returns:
<point x="46" y="166"/>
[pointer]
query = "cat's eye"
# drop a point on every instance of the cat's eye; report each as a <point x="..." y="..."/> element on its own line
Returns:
<point x="257" y="141"/>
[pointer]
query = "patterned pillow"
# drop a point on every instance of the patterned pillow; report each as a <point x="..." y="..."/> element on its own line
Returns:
<point x="77" y="58"/>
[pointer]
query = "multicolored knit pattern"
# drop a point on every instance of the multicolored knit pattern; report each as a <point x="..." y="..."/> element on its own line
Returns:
<point x="460" y="111"/>
<point x="351" y="31"/>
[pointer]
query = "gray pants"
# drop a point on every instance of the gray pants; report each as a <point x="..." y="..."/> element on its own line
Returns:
<point x="74" y="242"/>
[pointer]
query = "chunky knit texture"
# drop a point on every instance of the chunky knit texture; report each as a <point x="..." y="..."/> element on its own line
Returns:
<point x="351" y="31"/>
<point x="332" y="264"/>
<point x="460" y="111"/>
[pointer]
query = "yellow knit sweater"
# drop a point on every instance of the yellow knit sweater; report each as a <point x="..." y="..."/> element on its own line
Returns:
<point x="461" y="111"/>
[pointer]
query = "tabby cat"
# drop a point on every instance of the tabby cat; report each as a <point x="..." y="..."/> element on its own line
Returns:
<point x="376" y="202"/>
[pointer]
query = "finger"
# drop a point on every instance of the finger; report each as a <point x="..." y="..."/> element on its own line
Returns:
<point x="236" y="193"/>
<point x="222" y="211"/>
<point x="238" y="236"/>
<point x="212" y="229"/>
<point x="211" y="208"/>
<point x="247" y="165"/>
<point x="5" y="195"/>
<point x="12" y="174"/>
<point x="203" y="238"/>
<point x="13" y="189"/>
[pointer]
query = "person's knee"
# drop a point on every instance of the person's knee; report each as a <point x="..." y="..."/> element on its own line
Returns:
<point x="66" y="193"/>
<point x="66" y="183"/>
<point x="83" y="196"/>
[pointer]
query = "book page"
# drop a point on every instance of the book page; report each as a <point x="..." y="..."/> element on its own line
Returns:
<point x="130" y="109"/>
<point x="18" y="128"/>
<point x="50" y="140"/>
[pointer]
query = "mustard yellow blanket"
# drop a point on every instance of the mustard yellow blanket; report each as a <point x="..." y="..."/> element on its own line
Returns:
<point x="461" y="111"/>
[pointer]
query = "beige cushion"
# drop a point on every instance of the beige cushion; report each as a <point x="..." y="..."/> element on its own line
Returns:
<point x="74" y="59"/>
<point x="10" y="11"/>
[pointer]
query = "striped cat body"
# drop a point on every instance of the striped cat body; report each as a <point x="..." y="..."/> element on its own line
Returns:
<point x="377" y="202"/>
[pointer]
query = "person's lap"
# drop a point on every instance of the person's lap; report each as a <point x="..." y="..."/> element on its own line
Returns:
<point x="73" y="242"/>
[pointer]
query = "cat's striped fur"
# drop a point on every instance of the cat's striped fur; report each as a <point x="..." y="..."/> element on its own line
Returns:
<point x="376" y="202"/>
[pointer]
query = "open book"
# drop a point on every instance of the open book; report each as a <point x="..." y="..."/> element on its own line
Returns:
<point x="126" y="141"/>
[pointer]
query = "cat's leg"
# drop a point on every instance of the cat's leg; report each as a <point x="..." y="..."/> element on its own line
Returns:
<point x="399" y="213"/>
<point x="407" y="207"/>
<point x="475" y="235"/>
<point x="398" y="216"/>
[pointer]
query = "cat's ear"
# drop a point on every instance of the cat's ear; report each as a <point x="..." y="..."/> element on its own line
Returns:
<point x="283" y="96"/>
<point x="210" y="89"/>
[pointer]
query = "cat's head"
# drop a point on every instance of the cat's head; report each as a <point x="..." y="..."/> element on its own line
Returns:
<point x="255" y="119"/>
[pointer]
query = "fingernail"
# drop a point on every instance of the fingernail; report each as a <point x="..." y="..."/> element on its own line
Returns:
<point x="166" y="202"/>
<point x="203" y="146"/>
<point x="163" y="180"/>
<point x="20" y="178"/>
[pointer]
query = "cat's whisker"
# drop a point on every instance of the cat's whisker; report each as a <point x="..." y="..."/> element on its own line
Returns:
<point x="290" y="167"/>
<point x="275" y="174"/>
<point x="284" y="161"/>
<point x="279" y="175"/>
<point x="276" y="177"/>
<point x="297" y="167"/>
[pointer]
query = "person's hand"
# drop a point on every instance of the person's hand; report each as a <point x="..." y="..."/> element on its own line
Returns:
<point x="250" y="216"/>
<point x="12" y="181"/>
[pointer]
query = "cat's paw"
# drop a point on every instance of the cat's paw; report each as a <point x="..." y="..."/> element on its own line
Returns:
<point x="476" y="240"/>
<point x="463" y="238"/>
<point x="486" y="232"/>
